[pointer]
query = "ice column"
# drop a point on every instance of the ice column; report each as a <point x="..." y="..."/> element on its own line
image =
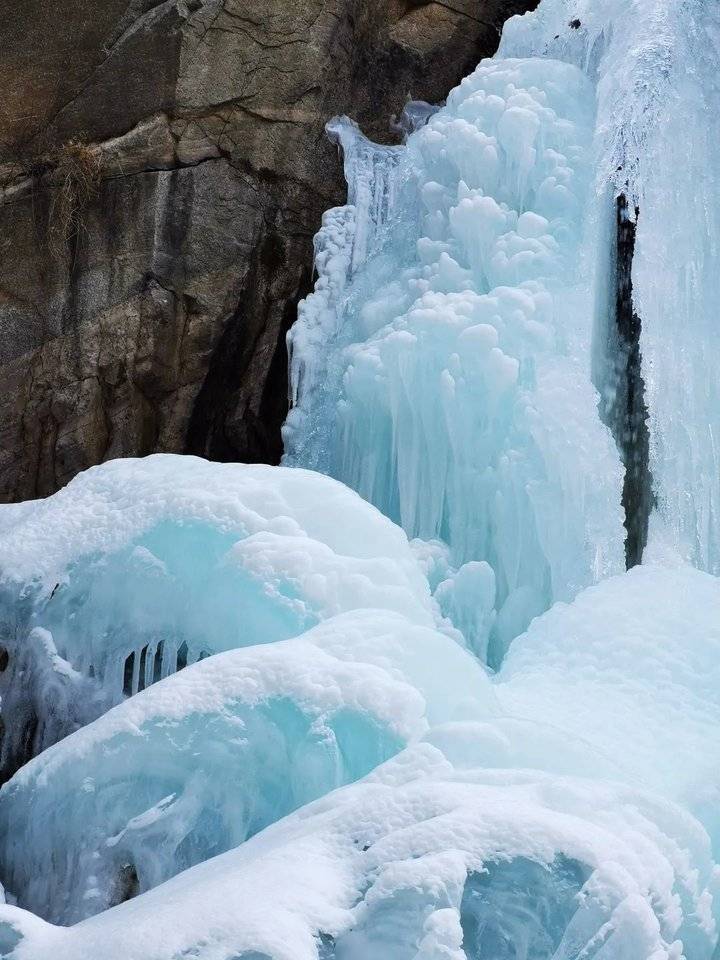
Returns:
<point x="457" y="394"/>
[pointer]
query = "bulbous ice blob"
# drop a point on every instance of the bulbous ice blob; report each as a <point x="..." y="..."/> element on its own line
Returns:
<point x="422" y="861"/>
<point x="208" y="757"/>
<point x="450" y="364"/>
<point x="139" y="568"/>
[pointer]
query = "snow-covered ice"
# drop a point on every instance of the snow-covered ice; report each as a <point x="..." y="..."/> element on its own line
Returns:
<point x="140" y="567"/>
<point x="460" y="814"/>
<point x="208" y="757"/>
<point x="246" y="718"/>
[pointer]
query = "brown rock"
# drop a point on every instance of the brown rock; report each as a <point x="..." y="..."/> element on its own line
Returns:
<point x="145" y="295"/>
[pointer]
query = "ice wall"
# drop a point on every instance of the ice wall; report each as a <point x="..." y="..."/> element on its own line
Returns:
<point x="655" y="65"/>
<point x="445" y="373"/>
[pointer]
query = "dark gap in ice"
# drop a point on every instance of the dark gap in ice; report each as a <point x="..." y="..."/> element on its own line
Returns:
<point x="143" y="665"/>
<point x="630" y="417"/>
<point x="128" y="674"/>
<point x="620" y="382"/>
<point x="29" y="732"/>
<point x="4" y="659"/>
<point x="157" y="663"/>
<point x="326" y="947"/>
<point x="127" y="885"/>
<point x="182" y="657"/>
<point x="520" y="909"/>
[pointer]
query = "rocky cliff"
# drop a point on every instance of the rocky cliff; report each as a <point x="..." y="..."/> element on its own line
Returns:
<point x="163" y="170"/>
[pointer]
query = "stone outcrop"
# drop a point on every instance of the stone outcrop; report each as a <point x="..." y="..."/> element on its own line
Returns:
<point x="163" y="170"/>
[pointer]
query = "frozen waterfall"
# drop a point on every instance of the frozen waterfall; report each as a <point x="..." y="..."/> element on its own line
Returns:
<point x="442" y="367"/>
<point x="401" y="698"/>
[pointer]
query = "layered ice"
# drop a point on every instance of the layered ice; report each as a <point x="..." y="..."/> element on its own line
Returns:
<point x="422" y="860"/>
<point x="210" y="756"/>
<point x="139" y="568"/>
<point x="444" y="370"/>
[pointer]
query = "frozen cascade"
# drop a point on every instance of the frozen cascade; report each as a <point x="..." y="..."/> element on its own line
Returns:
<point x="349" y="236"/>
<point x="246" y="719"/>
<point x="659" y="101"/>
<point x="450" y="370"/>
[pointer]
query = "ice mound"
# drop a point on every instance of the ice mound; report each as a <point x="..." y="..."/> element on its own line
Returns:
<point x="633" y="665"/>
<point x="444" y="371"/>
<point x="543" y="810"/>
<point x="203" y="760"/>
<point x="422" y="861"/>
<point x="139" y="568"/>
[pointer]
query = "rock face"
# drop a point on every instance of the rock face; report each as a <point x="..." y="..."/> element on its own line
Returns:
<point x="163" y="170"/>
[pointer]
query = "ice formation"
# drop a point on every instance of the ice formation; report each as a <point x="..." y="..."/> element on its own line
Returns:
<point x="285" y="723"/>
<point x="442" y="367"/>
<point x="515" y="828"/>
<point x="139" y="568"/>
<point x="245" y="718"/>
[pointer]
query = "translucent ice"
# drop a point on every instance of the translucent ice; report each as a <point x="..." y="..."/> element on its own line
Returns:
<point x="203" y="760"/>
<point x="444" y="371"/>
<point x="139" y="568"/>
<point x="336" y="775"/>
<point x="422" y="861"/>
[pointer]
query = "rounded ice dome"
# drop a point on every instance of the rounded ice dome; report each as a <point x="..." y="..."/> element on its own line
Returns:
<point x="140" y="567"/>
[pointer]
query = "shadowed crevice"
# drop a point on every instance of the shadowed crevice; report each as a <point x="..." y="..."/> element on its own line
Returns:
<point x="629" y="416"/>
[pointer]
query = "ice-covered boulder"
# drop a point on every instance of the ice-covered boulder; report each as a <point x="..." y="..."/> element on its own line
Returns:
<point x="421" y="861"/>
<point x="140" y="567"/>
<point x="206" y="758"/>
<point x="566" y="807"/>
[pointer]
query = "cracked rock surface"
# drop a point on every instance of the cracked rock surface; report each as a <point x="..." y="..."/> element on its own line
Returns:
<point x="152" y="317"/>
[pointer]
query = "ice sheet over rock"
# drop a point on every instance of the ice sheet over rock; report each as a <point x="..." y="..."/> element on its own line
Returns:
<point x="140" y="567"/>
<point x="658" y="91"/>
